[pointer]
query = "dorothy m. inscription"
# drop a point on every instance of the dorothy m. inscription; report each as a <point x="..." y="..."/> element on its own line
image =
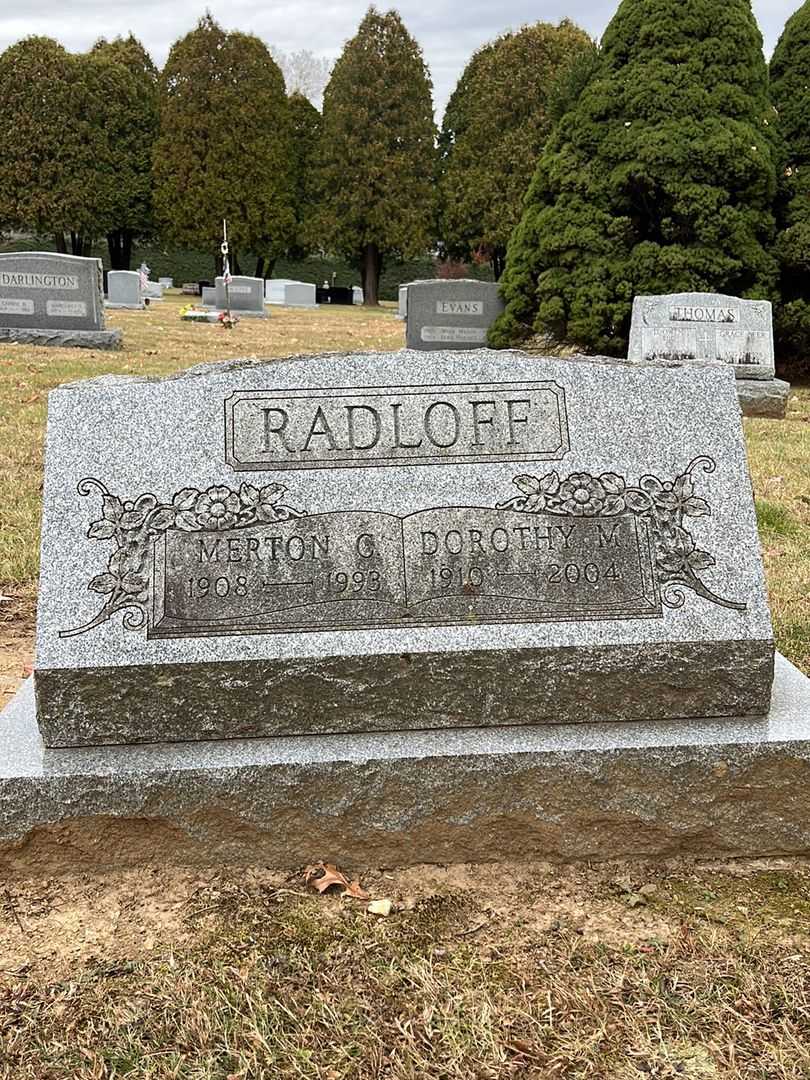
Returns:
<point x="306" y="429"/>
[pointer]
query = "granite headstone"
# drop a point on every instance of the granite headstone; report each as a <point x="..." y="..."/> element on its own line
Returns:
<point x="393" y="541"/>
<point x="124" y="289"/>
<point x="52" y="299"/>
<point x="246" y="296"/>
<point x="454" y="314"/>
<point x="209" y="296"/>
<point x="705" y="326"/>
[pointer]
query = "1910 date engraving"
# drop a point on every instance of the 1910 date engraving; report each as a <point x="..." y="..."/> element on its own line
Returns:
<point x="223" y="561"/>
<point x="401" y="425"/>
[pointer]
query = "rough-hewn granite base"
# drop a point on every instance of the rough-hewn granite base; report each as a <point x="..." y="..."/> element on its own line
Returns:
<point x="63" y="339"/>
<point x="763" y="397"/>
<point x="402" y="692"/>
<point x="596" y="791"/>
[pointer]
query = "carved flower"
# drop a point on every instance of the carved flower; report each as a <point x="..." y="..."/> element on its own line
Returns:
<point x="677" y="553"/>
<point x="217" y="508"/>
<point x="676" y="498"/>
<point x="582" y="495"/>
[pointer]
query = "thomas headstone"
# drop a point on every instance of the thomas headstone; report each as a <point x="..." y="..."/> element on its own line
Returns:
<point x="444" y="315"/>
<point x="124" y="289"/>
<point x="246" y="296"/>
<point x="51" y="299"/>
<point x="395" y="541"/>
<point x="714" y="328"/>
<point x="705" y="326"/>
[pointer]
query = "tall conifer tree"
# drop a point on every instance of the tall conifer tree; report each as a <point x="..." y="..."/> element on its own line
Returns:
<point x="224" y="149"/>
<point x="378" y="150"/>
<point x="496" y="123"/>
<point x="661" y="178"/>
<point x="790" y="92"/>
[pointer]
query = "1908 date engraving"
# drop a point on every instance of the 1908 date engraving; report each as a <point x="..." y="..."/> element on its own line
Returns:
<point x="223" y="561"/>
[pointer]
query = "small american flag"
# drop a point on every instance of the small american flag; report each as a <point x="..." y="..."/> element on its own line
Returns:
<point x="227" y="276"/>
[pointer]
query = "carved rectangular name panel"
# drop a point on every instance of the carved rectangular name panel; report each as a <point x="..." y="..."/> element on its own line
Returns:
<point x="483" y="538"/>
<point x="401" y="425"/>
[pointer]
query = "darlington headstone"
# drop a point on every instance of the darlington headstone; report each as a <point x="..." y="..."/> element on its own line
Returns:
<point x="246" y="296"/>
<point x="444" y="315"/>
<point x="394" y="541"/>
<point x="51" y="299"/>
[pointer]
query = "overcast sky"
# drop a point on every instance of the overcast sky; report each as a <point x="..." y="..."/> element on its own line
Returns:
<point x="448" y="30"/>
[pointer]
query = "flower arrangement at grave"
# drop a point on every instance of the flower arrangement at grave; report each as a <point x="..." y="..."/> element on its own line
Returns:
<point x="228" y="319"/>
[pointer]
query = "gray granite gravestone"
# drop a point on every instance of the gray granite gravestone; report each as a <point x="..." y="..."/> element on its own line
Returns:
<point x="166" y="282"/>
<point x="705" y="326"/>
<point x="402" y="302"/>
<point x="444" y="315"/>
<point x="713" y="327"/>
<point x="396" y="541"/>
<point x="246" y="296"/>
<point x="153" y="291"/>
<point x="209" y="296"/>
<point x="124" y="289"/>
<point x="51" y="299"/>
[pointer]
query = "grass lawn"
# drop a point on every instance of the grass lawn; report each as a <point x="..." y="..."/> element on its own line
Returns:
<point x="624" y="972"/>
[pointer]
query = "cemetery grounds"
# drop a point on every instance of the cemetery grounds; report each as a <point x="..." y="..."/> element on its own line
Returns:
<point x="623" y="971"/>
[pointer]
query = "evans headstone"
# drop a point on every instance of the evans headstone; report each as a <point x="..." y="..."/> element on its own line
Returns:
<point x="445" y="315"/>
<point x="704" y="326"/>
<point x="246" y="296"/>
<point x="124" y="289"/>
<point x="396" y="541"/>
<point x="52" y="299"/>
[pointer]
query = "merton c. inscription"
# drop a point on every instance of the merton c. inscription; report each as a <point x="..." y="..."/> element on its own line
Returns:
<point x="316" y="429"/>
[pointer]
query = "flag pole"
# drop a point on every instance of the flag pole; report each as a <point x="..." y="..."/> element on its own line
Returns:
<point x="226" y="271"/>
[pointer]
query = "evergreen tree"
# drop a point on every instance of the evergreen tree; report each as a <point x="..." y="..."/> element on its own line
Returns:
<point x="132" y="123"/>
<point x="378" y="150"/>
<point x="661" y="178"/>
<point x="790" y="93"/>
<point x="495" y="126"/>
<point x="59" y="170"/>
<point x="306" y="135"/>
<point x="224" y="149"/>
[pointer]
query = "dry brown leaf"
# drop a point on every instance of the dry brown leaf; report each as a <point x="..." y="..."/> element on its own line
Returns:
<point x="323" y="876"/>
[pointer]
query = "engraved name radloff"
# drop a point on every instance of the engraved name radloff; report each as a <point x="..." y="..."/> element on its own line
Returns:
<point x="305" y="429"/>
<point x="286" y="549"/>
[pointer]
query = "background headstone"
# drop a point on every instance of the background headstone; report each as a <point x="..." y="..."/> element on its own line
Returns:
<point x="704" y="326"/>
<point x="445" y="315"/>
<point x="286" y="292"/>
<point x="358" y="295"/>
<point x="52" y="299"/>
<point x="246" y="295"/>
<point x="392" y="541"/>
<point x="166" y="282"/>
<point x="124" y="289"/>
<point x="209" y="297"/>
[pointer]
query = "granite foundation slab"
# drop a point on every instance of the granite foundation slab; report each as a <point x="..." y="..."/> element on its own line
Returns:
<point x="63" y="339"/>
<point x="767" y="398"/>
<point x="706" y="788"/>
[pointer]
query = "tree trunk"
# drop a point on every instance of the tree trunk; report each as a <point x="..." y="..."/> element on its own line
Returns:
<point x="370" y="269"/>
<point x="498" y="263"/>
<point x="119" y="245"/>
<point x="259" y="267"/>
<point x="269" y="267"/>
<point x="235" y="267"/>
<point x="61" y="246"/>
